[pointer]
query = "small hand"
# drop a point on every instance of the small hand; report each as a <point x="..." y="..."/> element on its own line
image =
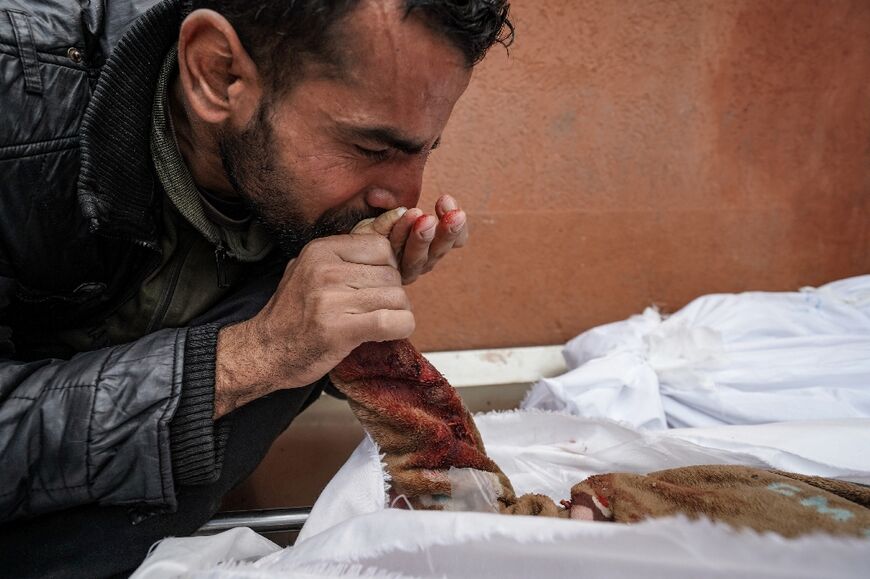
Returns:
<point x="420" y="240"/>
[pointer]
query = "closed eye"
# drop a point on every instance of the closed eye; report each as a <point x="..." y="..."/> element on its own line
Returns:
<point x="374" y="154"/>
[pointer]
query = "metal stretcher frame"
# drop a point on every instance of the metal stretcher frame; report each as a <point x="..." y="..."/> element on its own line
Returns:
<point x="261" y="521"/>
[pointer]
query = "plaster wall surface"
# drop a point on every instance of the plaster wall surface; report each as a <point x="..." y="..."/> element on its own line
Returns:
<point x="637" y="152"/>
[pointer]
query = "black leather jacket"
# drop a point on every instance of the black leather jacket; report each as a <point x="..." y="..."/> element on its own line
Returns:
<point x="125" y="424"/>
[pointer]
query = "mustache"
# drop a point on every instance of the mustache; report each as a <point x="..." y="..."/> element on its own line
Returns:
<point x="338" y="222"/>
<point x="293" y="234"/>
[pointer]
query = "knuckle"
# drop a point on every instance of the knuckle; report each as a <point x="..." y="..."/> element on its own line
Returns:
<point x="323" y="303"/>
<point x="410" y="324"/>
<point x="397" y="299"/>
<point x="382" y="322"/>
<point x="331" y="274"/>
<point x="316" y="252"/>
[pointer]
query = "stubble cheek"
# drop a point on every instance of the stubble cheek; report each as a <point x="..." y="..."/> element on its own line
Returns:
<point x="333" y="181"/>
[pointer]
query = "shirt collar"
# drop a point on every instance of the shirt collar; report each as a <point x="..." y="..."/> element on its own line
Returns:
<point x="245" y="240"/>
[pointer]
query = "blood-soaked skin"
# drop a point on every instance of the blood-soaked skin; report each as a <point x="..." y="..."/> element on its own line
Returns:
<point x="416" y="418"/>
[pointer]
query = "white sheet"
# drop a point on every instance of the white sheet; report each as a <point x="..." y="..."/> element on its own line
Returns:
<point x="352" y="534"/>
<point x="748" y="358"/>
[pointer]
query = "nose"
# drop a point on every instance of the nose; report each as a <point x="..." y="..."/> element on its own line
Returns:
<point x="399" y="184"/>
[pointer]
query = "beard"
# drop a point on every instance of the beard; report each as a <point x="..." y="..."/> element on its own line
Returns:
<point x="272" y="193"/>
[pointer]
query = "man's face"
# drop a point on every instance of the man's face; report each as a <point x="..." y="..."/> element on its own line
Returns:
<point x="335" y="150"/>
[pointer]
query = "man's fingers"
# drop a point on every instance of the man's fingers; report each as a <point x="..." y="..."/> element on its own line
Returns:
<point x="380" y="326"/>
<point x="356" y="276"/>
<point x="458" y="225"/>
<point x="445" y="205"/>
<point x="373" y="299"/>
<point x="417" y="240"/>
<point x="416" y="253"/>
<point x="462" y="238"/>
<point x="449" y="230"/>
<point x="362" y="249"/>
<point x="382" y="224"/>
<point x="400" y="232"/>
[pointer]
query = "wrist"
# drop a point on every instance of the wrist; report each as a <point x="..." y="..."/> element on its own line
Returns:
<point x="240" y="362"/>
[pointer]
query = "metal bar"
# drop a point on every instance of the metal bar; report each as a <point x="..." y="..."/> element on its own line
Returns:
<point x="261" y="521"/>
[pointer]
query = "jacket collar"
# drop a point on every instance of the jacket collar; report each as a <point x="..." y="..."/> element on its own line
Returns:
<point x="117" y="187"/>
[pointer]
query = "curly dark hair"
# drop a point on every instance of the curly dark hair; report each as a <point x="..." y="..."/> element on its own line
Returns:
<point x="296" y="32"/>
<point x="472" y="25"/>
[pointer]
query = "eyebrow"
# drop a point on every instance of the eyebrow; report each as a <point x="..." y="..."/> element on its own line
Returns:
<point x="389" y="137"/>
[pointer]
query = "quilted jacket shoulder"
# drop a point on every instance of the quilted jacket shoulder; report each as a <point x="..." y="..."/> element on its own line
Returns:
<point x="77" y="205"/>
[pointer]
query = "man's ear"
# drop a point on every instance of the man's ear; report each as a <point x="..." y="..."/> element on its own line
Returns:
<point x="220" y="81"/>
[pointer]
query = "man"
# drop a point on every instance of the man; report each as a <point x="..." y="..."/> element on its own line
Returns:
<point x="159" y="168"/>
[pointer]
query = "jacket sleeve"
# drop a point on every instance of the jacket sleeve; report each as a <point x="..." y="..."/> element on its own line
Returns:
<point x="106" y="426"/>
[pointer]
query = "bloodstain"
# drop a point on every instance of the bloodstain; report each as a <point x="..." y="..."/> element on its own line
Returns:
<point x="412" y="412"/>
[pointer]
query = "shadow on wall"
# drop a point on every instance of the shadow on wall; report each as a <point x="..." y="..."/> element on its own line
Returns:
<point x="629" y="153"/>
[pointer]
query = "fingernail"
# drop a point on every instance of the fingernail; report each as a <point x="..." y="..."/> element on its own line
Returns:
<point x="455" y="220"/>
<point x="400" y="211"/>
<point x="428" y="231"/>
<point x="449" y="203"/>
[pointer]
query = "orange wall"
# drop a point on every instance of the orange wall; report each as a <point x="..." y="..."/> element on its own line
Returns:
<point x="636" y="152"/>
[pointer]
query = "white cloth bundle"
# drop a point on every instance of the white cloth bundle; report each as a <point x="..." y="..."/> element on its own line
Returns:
<point x="753" y="358"/>
<point x="351" y="532"/>
<point x="748" y="358"/>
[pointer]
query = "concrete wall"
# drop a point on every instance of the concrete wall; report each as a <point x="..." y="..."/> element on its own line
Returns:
<point x="630" y="153"/>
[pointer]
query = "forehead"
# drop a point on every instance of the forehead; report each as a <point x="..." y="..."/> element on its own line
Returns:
<point x="394" y="70"/>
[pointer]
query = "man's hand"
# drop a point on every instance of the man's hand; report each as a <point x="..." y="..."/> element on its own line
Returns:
<point x="420" y="240"/>
<point x="340" y="292"/>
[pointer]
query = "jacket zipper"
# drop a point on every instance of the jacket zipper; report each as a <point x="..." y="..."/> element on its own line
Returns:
<point x="220" y="258"/>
